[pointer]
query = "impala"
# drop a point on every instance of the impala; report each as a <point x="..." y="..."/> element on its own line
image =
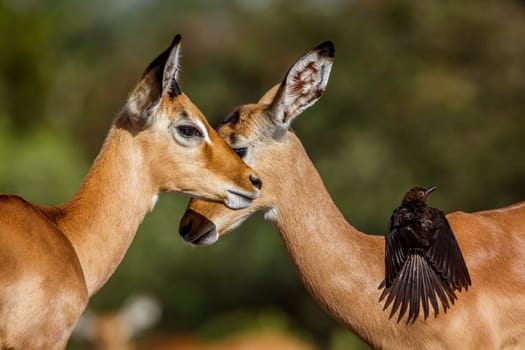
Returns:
<point x="342" y="267"/>
<point x="53" y="259"/>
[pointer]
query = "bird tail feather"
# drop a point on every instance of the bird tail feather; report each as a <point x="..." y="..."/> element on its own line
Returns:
<point x="416" y="286"/>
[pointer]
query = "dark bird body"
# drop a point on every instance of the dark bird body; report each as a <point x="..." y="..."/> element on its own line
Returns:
<point x="422" y="258"/>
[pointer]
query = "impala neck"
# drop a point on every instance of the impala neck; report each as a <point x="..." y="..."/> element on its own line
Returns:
<point x="103" y="216"/>
<point x="340" y="266"/>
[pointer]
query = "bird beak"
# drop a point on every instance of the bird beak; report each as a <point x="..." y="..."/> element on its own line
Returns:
<point x="431" y="189"/>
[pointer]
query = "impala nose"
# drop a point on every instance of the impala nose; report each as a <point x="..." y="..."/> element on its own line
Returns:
<point x="185" y="226"/>
<point x="196" y="229"/>
<point x="256" y="182"/>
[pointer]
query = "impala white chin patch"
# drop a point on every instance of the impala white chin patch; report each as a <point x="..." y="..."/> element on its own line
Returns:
<point x="235" y="201"/>
<point x="238" y="199"/>
<point x="271" y="215"/>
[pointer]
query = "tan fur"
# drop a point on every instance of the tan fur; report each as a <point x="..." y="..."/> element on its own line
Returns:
<point x="342" y="267"/>
<point x="52" y="259"/>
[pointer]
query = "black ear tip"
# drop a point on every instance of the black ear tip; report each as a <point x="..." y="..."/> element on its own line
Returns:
<point x="176" y="40"/>
<point x="326" y="49"/>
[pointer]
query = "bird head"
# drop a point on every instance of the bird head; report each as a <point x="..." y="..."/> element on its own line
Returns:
<point x="418" y="194"/>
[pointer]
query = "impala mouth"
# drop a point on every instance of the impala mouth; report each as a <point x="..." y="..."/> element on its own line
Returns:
<point x="206" y="239"/>
<point x="197" y="230"/>
<point x="239" y="200"/>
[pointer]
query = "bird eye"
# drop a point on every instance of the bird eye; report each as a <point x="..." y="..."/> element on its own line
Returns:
<point x="241" y="151"/>
<point x="421" y="194"/>
<point x="189" y="131"/>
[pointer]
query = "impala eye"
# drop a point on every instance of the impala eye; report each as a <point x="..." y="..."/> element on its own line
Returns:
<point x="189" y="131"/>
<point x="241" y="151"/>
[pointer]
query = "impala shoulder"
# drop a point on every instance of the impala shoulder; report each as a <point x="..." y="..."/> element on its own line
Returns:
<point x="13" y="201"/>
<point x="24" y="224"/>
<point x="14" y="204"/>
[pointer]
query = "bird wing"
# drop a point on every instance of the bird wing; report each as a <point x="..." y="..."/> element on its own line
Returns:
<point x="444" y="253"/>
<point x="416" y="286"/>
<point x="395" y="252"/>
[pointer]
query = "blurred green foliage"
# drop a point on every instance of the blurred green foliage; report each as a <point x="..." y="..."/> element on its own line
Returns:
<point x="421" y="93"/>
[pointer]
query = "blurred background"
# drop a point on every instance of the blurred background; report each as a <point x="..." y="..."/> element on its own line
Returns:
<point x="428" y="93"/>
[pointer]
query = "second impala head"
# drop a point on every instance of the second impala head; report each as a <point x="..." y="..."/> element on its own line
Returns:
<point x="260" y="135"/>
<point x="182" y="152"/>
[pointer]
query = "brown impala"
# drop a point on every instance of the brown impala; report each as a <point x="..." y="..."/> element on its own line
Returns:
<point x="341" y="266"/>
<point x="52" y="259"/>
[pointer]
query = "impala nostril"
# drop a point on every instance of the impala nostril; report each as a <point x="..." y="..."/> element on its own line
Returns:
<point x="184" y="229"/>
<point x="256" y="182"/>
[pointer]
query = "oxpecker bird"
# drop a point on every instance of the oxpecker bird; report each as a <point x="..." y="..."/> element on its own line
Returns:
<point x="422" y="259"/>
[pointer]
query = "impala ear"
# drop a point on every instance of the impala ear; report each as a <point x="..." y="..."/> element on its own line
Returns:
<point x="170" y="85"/>
<point x="158" y="78"/>
<point x="303" y="85"/>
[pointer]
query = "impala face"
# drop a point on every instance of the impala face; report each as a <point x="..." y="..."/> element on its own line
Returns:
<point x="259" y="134"/>
<point x="185" y="154"/>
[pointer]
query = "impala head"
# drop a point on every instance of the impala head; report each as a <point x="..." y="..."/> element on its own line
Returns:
<point x="183" y="152"/>
<point x="259" y="133"/>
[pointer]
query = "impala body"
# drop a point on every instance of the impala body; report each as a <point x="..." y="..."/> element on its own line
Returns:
<point x="52" y="259"/>
<point x="342" y="267"/>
